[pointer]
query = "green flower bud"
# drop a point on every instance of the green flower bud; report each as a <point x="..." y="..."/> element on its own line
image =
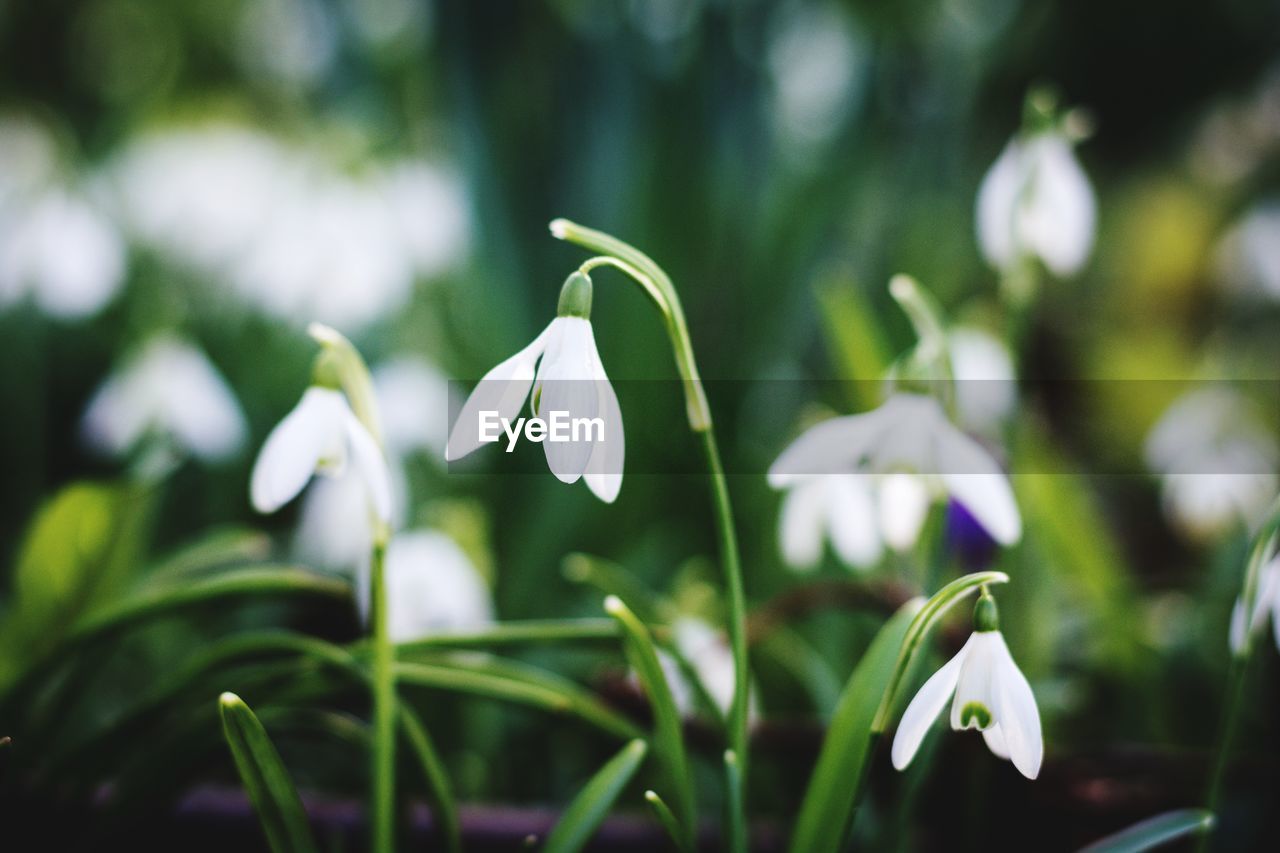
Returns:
<point x="575" y="297"/>
<point x="985" y="615"/>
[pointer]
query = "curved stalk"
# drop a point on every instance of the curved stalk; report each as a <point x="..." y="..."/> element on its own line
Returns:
<point x="658" y="286"/>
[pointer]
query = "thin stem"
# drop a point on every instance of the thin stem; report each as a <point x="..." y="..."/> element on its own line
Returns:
<point x="657" y="284"/>
<point x="384" y="708"/>
<point x="1230" y="722"/>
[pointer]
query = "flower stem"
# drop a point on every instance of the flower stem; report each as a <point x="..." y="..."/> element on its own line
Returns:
<point x="1230" y="722"/>
<point x="384" y="708"/>
<point x="657" y="284"/>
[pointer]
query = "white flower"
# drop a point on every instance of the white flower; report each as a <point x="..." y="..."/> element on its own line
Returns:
<point x="708" y="654"/>
<point x="321" y="435"/>
<point x="1035" y="201"/>
<point x="413" y="400"/>
<point x="1248" y="257"/>
<point x="569" y="377"/>
<point x="1216" y="460"/>
<point x="1266" y="603"/>
<point x="986" y="383"/>
<point x="991" y="695"/>
<point x="432" y="587"/>
<point x="839" y="507"/>
<point x="168" y="389"/>
<point x="909" y="434"/>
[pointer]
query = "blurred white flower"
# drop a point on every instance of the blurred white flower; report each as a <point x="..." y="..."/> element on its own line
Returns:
<point x="991" y="695"/>
<point x="56" y="247"/>
<point x="168" y="389"/>
<point x="413" y="399"/>
<point x="319" y="436"/>
<point x="569" y="378"/>
<point x="709" y="655"/>
<point x="292" y="234"/>
<point x="908" y="434"/>
<point x="1249" y="255"/>
<point x="838" y="507"/>
<point x="288" y="41"/>
<point x="986" y="383"/>
<point x="1266" y="603"/>
<point x="816" y="63"/>
<point x="1216" y="461"/>
<point x="432" y="587"/>
<point x="1035" y="202"/>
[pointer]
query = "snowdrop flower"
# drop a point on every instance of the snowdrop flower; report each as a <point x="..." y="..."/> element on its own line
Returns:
<point x="1248" y="257"/>
<point x="1035" y="202"/>
<point x="320" y="436"/>
<point x="413" y="399"/>
<point x="432" y="587"/>
<point x="1266" y="603"/>
<point x="908" y="434"/>
<point x="986" y="383"/>
<point x="563" y="369"/>
<point x="709" y="656"/>
<point x="991" y="695"/>
<point x="837" y="507"/>
<point x="1217" y="462"/>
<point x="167" y="389"/>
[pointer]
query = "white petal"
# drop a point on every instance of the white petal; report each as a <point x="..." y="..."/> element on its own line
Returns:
<point x="1057" y="219"/>
<point x="1017" y="713"/>
<point x="432" y="587"/>
<point x="830" y="447"/>
<point x="503" y="390"/>
<point x="199" y="410"/>
<point x="973" y="478"/>
<point x="1238" y="632"/>
<point x="995" y="742"/>
<point x="566" y="389"/>
<point x="371" y="464"/>
<point x="925" y="708"/>
<point x="976" y="686"/>
<point x="294" y="448"/>
<point x="800" y="525"/>
<point x="903" y="507"/>
<point x="604" y="469"/>
<point x="997" y="197"/>
<point x="851" y="519"/>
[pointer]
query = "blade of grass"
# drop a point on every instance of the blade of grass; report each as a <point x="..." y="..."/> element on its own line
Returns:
<point x="265" y="778"/>
<point x="588" y="810"/>
<point x="668" y="732"/>
<point x="438" y="784"/>
<point x="1154" y="832"/>
<point x="737" y="821"/>
<point x="668" y="820"/>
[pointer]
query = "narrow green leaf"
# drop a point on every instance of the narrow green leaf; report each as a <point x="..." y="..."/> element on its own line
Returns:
<point x="668" y="820"/>
<point x="441" y="790"/>
<point x="518" y="633"/>
<point x="588" y="810"/>
<point x="829" y="803"/>
<point x="668" y="734"/>
<point x="854" y="336"/>
<point x="219" y="548"/>
<point x="1154" y="832"/>
<point x="612" y="579"/>
<point x="265" y="778"/>
<point x="737" y="822"/>
<point x="522" y="685"/>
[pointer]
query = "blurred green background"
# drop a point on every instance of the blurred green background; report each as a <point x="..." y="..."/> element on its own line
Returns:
<point x="226" y="172"/>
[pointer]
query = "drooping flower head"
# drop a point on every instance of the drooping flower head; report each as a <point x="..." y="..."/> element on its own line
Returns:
<point x="563" y="370"/>
<point x="1266" y="603"/>
<point x="988" y="693"/>
<point x="1035" y="202"/>
<point x="322" y="435"/>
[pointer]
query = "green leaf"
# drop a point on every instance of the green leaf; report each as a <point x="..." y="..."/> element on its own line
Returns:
<point x="219" y="548"/>
<point x="77" y="553"/>
<point x="736" y="823"/>
<point x="445" y="809"/>
<point x="588" y="810"/>
<point x="265" y="778"/>
<point x="854" y="335"/>
<point x="668" y="820"/>
<point x="612" y="579"/>
<point x="1154" y="831"/>
<point x="522" y="632"/>
<point x="830" y="801"/>
<point x="668" y="740"/>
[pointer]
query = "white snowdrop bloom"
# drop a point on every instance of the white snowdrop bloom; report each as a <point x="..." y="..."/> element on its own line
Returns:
<point x="320" y="436"/>
<point x="289" y="41"/>
<point x="1266" y="603"/>
<point x="990" y="694"/>
<point x="985" y="379"/>
<point x="1248" y="256"/>
<point x="816" y="61"/>
<point x="564" y="372"/>
<point x="431" y="215"/>
<point x="167" y="389"/>
<point x="709" y="655"/>
<point x="413" y="399"/>
<point x="433" y="587"/>
<point x="902" y="504"/>
<point x="840" y="508"/>
<point x="334" y="528"/>
<point x="1035" y="201"/>
<point x="910" y="434"/>
<point x="1216" y="460"/>
<point x="57" y="248"/>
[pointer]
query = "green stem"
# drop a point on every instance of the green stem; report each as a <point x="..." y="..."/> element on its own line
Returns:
<point x="384" y="708"/>
<point x="1230" y="722"/>
<point x="657" y="284"/>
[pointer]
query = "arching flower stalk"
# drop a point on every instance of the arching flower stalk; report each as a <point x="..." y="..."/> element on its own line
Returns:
<point x="336" y="425"/>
